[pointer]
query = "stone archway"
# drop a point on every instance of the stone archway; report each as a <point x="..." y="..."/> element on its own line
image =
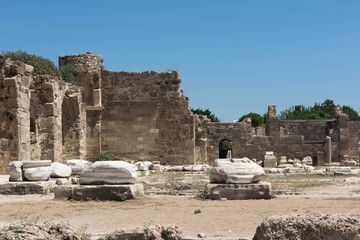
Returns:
<point x="225" y="147"/>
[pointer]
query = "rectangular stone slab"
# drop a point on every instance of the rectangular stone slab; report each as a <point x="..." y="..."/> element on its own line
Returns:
<point x="261" y="190"/>
<point x="99" y="192"/>
<point x="24" y="188"/>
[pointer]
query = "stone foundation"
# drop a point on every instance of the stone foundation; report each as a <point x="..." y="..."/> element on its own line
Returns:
<point x="261" y="190"/>
<point x="25" y="188"/>
<point x="103" y="192"/>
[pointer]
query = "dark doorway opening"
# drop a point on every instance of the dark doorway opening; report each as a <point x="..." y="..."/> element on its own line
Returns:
<point x="225" y="148"/>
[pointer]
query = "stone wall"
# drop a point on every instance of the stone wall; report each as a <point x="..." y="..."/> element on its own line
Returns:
<point x="15" y="78"/>
<point x="146" y="117"/>
<point x="238" y="133"/>
<point x="45" y="117"/>
<point x="73" y="124"/>
<point x="88" y="69"/>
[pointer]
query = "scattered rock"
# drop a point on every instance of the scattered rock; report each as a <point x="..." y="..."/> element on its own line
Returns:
<point x="352" y="180"/>
<point x="201" y="235"/>
<point x="309" y="227"/>
<point x="78" y="166"/>
<point x="307" y="160"/>
<point x="284" y="165"/>
<point x="34" y="230"/>
<point x="197" y="211"/>
<point x="149" y="165"/>
<point x="141" y="166"/>
<point x="15" y="171"/>
<point x="37" y="170"/>
<point x="60" y="170"/>
<point x="270" y="160"/>
<point x="158" y="232"/>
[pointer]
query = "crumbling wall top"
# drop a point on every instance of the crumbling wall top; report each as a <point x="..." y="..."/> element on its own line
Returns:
<point x="87" y="62"/>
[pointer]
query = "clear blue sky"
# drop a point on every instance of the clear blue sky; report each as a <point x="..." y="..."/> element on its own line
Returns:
<point x="234" y="56"/>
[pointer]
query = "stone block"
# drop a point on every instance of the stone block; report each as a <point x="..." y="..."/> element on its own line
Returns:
<point x="346" y="170"/>
<point x="60" y="170"/>
<point x="78" y="166"/>
<point x="270" y="160"/>
<point x="24" y="188"/>
<point x="103" y="192"/>
<point x="109" y="172"/>
<point x="37" y="170"/>
<point x="261" y="190"/>
<point x="15" y="171"/>
<point x="236" y="170"/>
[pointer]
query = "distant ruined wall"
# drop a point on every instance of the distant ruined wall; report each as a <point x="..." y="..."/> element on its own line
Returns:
<point x="146" y="117"/>
<point x="238" y="133"/>
<point x="15" y="78"/>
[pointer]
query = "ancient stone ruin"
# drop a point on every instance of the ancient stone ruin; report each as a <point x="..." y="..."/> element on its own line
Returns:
<point x="142" y="116"/>
<point x="237" y="179"/>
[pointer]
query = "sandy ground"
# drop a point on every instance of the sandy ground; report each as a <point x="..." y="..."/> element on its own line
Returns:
<point x="217" y="218"/>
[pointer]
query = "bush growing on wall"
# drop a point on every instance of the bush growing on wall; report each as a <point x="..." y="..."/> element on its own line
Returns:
<point x="41" y="65"/>
<point x="256" y="119"/>
<point x="68" y="73"/>
<point x="106" y="156"/>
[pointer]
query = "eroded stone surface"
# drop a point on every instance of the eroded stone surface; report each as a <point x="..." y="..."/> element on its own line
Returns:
<point x="60" y="170"/>
<point x="158" y="232"/>
<point x="261" y="190"/>
<point x="309" y="227"/>
<point x="103" y="192"/>
<point x="109" y="172"/>
<point x="37" y="170"/>
<point x="15" y="171"/>
<point x="236" y="170"/>
<point x="78" y="166"/>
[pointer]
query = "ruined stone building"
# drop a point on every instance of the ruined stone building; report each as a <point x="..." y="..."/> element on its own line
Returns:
<point x="140" y="116"/>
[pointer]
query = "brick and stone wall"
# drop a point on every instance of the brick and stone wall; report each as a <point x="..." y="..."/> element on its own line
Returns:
<point x="15" y="78"/>
<point x="88" y="69"/>
<point x="146" y="117"/>
<point x="45" y="117"/>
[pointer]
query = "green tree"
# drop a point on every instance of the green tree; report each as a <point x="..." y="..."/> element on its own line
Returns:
<point x="256" y="119"/>
<point x="41" y="65"/>
<point x="207" y="113"/>
<point x="318" y="111"/>
<point x="68" y="73"/>
<point x="353" y="115"/>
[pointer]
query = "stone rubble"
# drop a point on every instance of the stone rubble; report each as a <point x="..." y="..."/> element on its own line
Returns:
<point x="37" y="170"/>
<point x="60" y="170"/>
<point x="309" y="227"/>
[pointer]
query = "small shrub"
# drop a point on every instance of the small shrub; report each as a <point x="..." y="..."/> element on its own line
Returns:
<point x="278" y="160"/>
<point x="201" y="190"/>
<point x="68" y="73"/>
<point x="41" y="65"/>
<point x="106" y="156"/>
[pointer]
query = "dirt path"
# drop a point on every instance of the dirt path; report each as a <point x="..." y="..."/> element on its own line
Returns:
<point x="217" y="218"/>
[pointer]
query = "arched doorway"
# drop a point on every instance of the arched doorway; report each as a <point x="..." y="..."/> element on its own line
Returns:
<point x="225" y="149"/>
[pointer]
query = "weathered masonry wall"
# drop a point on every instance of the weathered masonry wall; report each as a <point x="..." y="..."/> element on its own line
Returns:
<point x="73" y="124"/>
<point x="45" y="118"/>
<point x="87" y="69"/>
<point x="146" y="117"/>
<point x="293" y="139"/>
<point x="141" y="116"/>
<point x="15" y="78"/>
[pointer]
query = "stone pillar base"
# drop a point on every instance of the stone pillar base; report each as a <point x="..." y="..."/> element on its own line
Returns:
<point x="261" y="190"/>
<point x="99" y="192"/>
